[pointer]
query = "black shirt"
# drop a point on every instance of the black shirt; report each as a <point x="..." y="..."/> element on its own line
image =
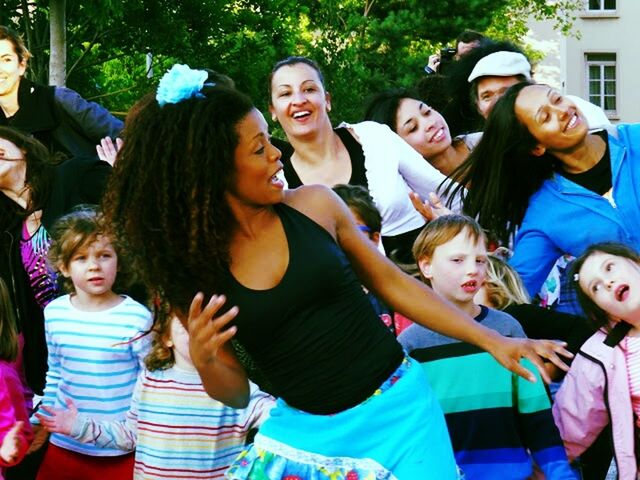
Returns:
<point x="356" y="154"/>
<point x="314" y="339"/>
<point x="597" y="178"/>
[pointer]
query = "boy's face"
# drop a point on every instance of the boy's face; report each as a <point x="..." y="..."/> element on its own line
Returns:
<point x="457" y="268"/>
<point x="373" y="236"/>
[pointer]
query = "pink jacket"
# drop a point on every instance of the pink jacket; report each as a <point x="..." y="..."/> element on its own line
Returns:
<point x="594" y="392"/>
<point x="13" y="407"/>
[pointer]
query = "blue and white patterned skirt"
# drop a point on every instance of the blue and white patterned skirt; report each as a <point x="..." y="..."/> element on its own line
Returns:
<point x="397" y="433"/>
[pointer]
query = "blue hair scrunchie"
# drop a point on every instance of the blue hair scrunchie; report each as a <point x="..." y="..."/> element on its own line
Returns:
<point x="180" y="83"/>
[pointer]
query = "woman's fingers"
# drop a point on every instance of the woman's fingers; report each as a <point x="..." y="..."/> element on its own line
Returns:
<point x="551" y="350"/>
<point x="423" y="208"/>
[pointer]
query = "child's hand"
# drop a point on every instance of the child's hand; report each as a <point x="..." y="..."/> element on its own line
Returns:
<point x="59" y="421"/>
<point x="510" y="351"/>
<point x="431" y="208"/>
<point x="40" y="437"/>
<point x="108" y="151"/>
<point x="206" y="333"/>
<point x="12" y="444"/>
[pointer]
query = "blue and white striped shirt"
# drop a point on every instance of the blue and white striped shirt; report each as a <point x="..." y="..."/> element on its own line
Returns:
<point x="94" y="360"/>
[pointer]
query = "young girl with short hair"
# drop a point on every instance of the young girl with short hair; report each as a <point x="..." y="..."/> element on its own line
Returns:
<point x="603" y="385"/>
<point x="177" y="430"/>
<point x="15" y="430"/>
<point x="96" y="348"/>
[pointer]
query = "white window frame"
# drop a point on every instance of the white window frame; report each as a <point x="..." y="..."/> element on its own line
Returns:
<point x="602" y="64"/>
<point x="602" y="7"/>
<point x="601" y="11"/>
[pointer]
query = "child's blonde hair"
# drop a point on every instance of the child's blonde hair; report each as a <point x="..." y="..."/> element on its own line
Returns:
<point x="8" y="327"/>
<point x="442" y="230"/>
<point x="72" y="232"/>
<point x="502" y="284"/>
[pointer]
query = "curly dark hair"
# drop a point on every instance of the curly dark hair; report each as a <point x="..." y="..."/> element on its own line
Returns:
<point x="166" y="198"/>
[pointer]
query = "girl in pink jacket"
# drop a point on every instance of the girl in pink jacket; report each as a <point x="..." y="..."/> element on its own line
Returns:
<point x="603" y="385"/>
<point x="15" y="429"/>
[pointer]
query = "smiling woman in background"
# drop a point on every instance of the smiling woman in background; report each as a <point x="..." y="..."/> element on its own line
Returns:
<point x="57" y="116"/>
<point x="367" y="153"/>
<point x="539" y="171"/>
<point x="422" y="127"/>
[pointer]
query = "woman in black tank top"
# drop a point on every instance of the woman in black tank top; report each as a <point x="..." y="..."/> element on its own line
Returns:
<point x="197" y="200"/>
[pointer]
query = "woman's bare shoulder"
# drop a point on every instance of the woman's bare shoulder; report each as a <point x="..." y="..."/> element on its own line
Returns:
<point x="316" y="202"/>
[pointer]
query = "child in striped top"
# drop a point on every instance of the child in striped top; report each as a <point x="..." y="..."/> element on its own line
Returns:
<point x="96" y="345"/>
<point x="178" y="431"/>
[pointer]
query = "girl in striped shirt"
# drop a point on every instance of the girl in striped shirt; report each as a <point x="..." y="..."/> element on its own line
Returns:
<point x="96" y="345"/>
<point x="176" y="428"/>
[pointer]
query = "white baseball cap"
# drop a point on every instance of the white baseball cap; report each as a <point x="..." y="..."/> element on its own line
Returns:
<point x="501" y="64"/>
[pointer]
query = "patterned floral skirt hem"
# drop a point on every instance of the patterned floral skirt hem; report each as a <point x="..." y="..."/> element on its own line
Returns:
<point x="397" y="433"/>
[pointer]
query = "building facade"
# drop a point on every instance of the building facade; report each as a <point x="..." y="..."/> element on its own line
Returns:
<point x="603" y="65"/>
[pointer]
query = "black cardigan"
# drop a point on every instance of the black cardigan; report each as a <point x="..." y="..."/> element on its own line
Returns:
<point x="75" y="181"/>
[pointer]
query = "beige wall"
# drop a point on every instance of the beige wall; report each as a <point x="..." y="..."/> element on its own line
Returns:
<point x="618" y="33"/>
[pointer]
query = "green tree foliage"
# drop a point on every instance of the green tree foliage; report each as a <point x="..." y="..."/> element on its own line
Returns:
<point x="362" y="45"/>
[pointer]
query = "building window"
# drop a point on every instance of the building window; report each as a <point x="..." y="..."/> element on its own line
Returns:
<point x="601" y="80"/>
<point x="601" y="5"/>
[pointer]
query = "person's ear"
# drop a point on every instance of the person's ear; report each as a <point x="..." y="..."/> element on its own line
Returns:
<point x="63" y="270"/>
<point x="327" y="97"/>
<point x="273" y="113"/>
<point x="375" y="238"/>
<point x="424" y="264"/>
<point x="22" y="67"/>
<point x="538" y="150"/>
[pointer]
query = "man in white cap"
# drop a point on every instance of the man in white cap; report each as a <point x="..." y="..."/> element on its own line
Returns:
<point x="496" y="72"/>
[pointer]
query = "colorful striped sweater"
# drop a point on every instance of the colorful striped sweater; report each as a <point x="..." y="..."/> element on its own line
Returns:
<point x="94" y="360"/>
<point x="178" y="431"/>
<point x="495" y="418"/>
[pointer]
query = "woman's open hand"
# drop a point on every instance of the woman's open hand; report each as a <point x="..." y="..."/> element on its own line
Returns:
<point x="206" y="333"/>
<point x="509" y="352"/>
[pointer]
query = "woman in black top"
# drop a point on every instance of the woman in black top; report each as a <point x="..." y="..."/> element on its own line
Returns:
<point x="197" y="200"/>
<point x="57" y="116"/>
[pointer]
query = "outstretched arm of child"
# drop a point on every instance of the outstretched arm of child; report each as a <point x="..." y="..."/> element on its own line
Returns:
<point x="15" y="429"/>
<point x="14" y="445"/>
<point x="105" y="434"/>
<point x="58" y="420"/>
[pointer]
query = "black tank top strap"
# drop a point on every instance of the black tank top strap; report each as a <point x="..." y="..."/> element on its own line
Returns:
<point x="356" y="154"/>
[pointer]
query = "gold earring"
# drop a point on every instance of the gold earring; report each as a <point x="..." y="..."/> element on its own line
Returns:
<point x="169" y="344"/>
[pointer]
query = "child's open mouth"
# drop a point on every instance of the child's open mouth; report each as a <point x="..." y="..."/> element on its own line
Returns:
<point x="622" y="292"/>
<point x="471" y="286"/>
